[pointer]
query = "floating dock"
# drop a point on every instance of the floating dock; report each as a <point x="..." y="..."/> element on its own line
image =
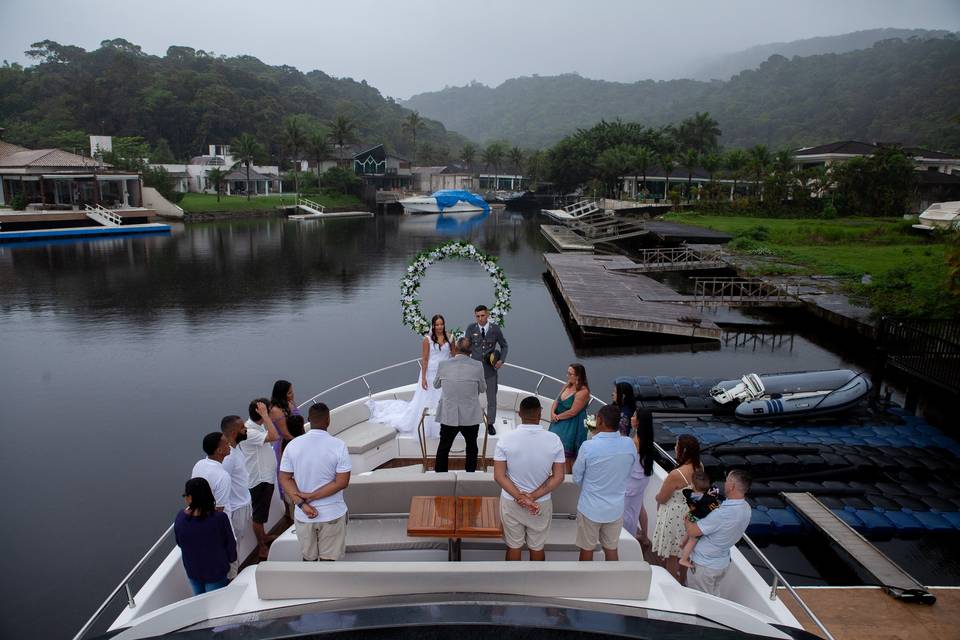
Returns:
<point x="82" y="232"/>
<point x="332" y="215"/>
<point x="674" y="232"/>
<point x="564" y="239"/>
<point x="891" y="577"/>
<point x="601" y="299"/>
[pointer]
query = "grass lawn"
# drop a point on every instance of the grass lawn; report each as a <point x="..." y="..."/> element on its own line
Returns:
<point x="206" y="202"/>
<point x="909" y="270"/>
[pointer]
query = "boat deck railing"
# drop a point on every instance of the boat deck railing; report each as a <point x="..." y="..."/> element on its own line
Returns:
<point x="125" y="583"/>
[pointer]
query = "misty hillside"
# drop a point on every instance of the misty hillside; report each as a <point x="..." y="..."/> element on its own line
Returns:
<point x="897" y="90"/>
<point x="186" y="99"/>
<point x="726" y="66"/>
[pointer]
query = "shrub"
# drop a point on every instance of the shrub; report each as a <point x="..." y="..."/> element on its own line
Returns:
<point x="18" y="202"/>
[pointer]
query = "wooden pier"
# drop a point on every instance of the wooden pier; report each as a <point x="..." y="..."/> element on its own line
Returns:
<point x="564" y="239"/>
<point x="603" y="296"/>
<point x="888" y="575"/>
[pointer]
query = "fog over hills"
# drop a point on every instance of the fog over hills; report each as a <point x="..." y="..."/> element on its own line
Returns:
<point x="903" y="90"/>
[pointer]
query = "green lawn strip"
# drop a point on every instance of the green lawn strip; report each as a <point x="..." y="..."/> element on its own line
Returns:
<point x="206" y="202"/>
<point x="804" y="231"/>
<point x="908" y="270"/>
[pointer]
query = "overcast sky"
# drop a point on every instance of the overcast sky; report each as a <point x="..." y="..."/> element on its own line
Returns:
<point x="403" y="48"/>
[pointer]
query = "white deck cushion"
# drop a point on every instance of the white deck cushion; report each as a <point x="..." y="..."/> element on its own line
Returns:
<point x="369" y="494"/>
<point x="345" y="417"/>
<point x="629" y="580"/>
<point x="362" y="437"/>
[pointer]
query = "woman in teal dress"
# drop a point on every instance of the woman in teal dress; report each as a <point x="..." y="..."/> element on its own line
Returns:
<point x="569" y="411"/>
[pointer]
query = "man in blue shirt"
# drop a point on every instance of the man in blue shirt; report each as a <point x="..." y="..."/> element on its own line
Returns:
<point x="717" y="533"/>
<point x="602" y="468"/>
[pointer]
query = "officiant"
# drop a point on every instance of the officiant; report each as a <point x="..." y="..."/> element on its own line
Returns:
<point x="486" y="337"/>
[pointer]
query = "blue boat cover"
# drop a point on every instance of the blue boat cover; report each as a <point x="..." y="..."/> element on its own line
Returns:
<point x="446" y="198"/>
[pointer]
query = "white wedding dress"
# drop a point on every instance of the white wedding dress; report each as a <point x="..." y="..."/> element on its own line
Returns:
<point x="405" y="416"/>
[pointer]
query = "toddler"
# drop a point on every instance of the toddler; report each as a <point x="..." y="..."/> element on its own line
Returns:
<point x="701" y="500"/>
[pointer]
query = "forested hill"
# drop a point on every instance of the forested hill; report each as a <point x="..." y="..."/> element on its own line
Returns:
<point x="725" y="66"/>
<point x="188" y="98"/>
<point x="907" y="91"/>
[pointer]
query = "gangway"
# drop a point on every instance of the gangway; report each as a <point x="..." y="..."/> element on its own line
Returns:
<point x="894" y="580"/>
<point x="313" y="209"/>
<point x="103" y="216"/>
<point x="576" y="211"/>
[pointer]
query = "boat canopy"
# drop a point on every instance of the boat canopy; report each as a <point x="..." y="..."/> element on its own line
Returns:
<point x="446" y="198"/>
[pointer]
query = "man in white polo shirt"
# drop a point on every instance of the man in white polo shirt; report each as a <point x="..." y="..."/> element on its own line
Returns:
<point x="236" y="467"/>
<point x="528" y="464"/>
<point x="261" y="461"/>
<point x="211" y="469"/>
<point x="314" y="471"/>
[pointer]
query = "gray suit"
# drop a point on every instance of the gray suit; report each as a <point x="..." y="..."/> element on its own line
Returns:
<point x="484" y="342"/>
<point x="461" y="382"/>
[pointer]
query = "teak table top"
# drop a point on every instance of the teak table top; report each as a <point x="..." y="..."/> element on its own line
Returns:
<point x="478" y="517"/>
<point x="454" y="517"/>
<point x="432" y="516"/>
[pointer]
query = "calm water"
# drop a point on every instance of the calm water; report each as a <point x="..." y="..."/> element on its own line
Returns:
<point x="119" y="355"/>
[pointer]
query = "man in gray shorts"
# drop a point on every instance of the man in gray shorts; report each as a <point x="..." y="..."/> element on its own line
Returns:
<point x="314" y="471"/>
<point x="528" y="464"/>
<point x="602" y="468"/>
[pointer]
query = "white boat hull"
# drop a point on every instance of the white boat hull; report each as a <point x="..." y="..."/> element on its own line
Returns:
<point x="413" y="206"/>
<point x="165" y="604"/>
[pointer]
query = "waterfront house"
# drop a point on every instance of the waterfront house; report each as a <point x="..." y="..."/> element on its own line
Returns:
<point x="192" y="177"/>
<point x="937" y="173"/>
<point x="658" y="184"/>
<point x="502" y="182"/>
<point x="383" y="171"/>
<point x="430" y="179"/>
<point x="53" y="179"/>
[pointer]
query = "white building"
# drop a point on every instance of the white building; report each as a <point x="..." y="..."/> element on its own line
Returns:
<point x="192" y="177"/>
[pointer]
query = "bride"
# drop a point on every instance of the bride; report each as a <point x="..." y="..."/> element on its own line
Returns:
<point x="405" y="416"/>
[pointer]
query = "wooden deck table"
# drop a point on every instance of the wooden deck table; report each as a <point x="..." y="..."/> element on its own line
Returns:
<point x="454" y="518"/>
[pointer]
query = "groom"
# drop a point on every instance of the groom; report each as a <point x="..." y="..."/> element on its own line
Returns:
<point x="485" y="337"/>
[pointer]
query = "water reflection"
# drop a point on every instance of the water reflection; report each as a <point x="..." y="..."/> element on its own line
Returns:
<point x="127" y="350"/>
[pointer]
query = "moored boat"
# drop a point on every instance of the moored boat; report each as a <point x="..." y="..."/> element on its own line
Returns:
<point x="445" y="201"/>
<point x="940" y="216"/>
<point x="792" y="395"/>
<point x="388" y="580"/>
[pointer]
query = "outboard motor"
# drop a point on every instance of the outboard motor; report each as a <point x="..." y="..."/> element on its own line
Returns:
<point x="750" y="387"/>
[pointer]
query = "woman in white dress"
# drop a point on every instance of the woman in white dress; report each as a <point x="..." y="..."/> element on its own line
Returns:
<point x="405" y="416"/>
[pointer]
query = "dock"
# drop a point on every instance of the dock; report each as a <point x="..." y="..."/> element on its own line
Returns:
<point x="564" y="239"/>
<point x="329" y="215"/>
<point x="888" y="575"/>
<point x="602" y="297"/>
<point x="673" y="232"/>
<point x="82" y="232"/>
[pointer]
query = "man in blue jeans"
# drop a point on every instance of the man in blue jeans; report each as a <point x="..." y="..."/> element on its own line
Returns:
<point x="602" y="468"/>
<point x="717" y="533"/>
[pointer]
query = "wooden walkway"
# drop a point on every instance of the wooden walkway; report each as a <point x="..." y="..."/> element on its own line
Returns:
<point x="867" y="613"/>
<point x="599" y="298"/>
<point x="564" y="239"/>
<point x="891" y="577"/>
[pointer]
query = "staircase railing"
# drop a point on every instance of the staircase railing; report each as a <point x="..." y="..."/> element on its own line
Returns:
<point x="310" y="203"/>
<point x="103" y="215"/>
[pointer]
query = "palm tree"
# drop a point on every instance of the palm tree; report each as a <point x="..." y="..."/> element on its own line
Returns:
<point x="246" y="149"/>
<point x="668" y="164"/>
<point x="216" y="176"/>
<point x="711" y="163"/>
<point x="704" y="130"/>
<point x="492" y="156"/>
<point x="411" y="125"/>
<point x="342" y="131"/>
<point x="295" y="137"/>
<point x="516" y="159"/>
<point x="734" y="162"/>
<point x="468" y="153"/>
<point x="641" y="160"/>
<point x="759" y="161"/>
<point x="318" y="145"/>
<point x="689" y="161"/>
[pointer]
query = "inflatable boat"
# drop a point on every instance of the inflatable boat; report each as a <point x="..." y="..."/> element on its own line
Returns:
<point x="792" y="395"/>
